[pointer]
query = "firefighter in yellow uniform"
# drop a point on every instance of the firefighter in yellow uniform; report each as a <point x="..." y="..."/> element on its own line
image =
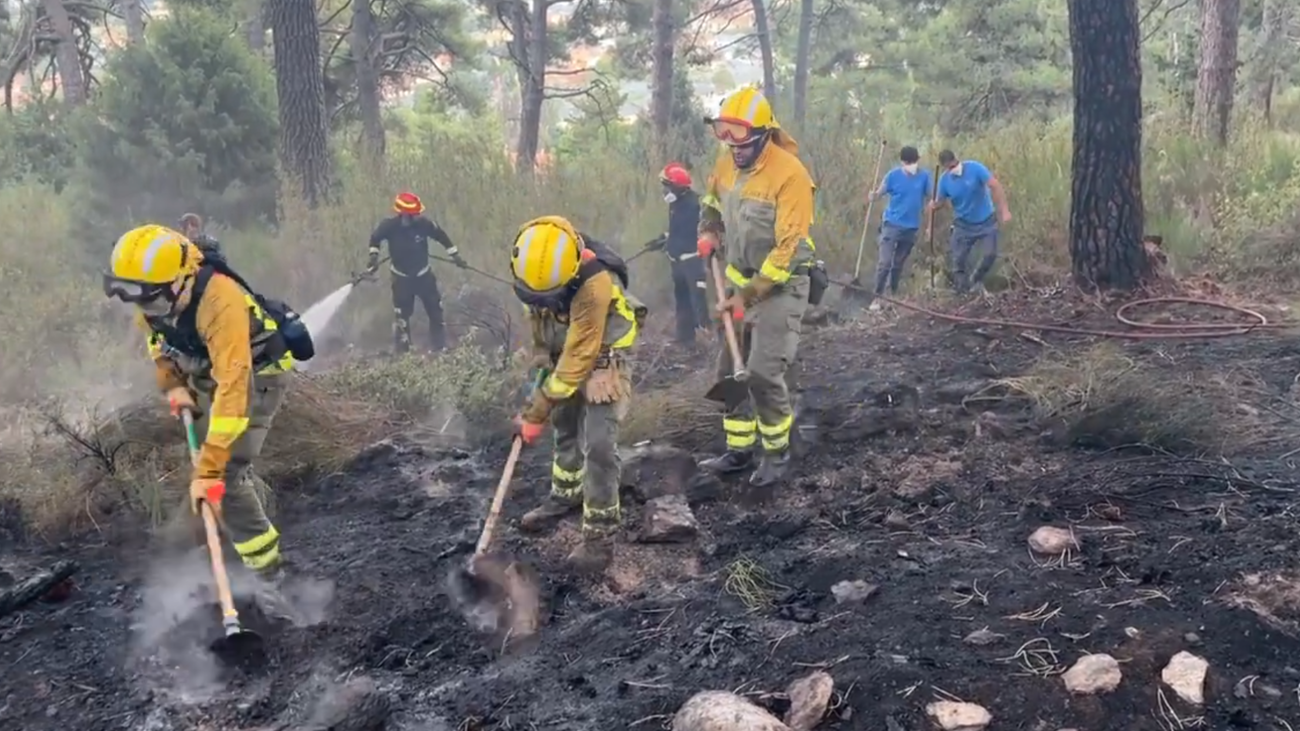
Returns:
<point x="218" y="355"/>
<point x="756" y="213"/>
<point x="583" y="322"/>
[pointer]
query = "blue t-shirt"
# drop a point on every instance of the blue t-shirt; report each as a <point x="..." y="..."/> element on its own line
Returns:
<point x="969" y="192"/>
<point x="907" y="196"/>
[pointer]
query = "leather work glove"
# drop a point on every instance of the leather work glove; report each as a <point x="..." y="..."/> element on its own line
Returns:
<point x="208" y="490"/>
<point x="180" y="399"/>
<point x="527" y="430"/>
<point x="372" y="265"/>
<point x="459" y="261"/>
<point x="706" y="244"/>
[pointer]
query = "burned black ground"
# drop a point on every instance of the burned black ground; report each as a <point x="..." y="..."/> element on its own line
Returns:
<point x="934" y="510"/>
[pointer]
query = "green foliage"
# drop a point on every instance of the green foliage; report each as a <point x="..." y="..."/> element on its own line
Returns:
<point x="186" y="120"/>
<point x="35" y="144"/>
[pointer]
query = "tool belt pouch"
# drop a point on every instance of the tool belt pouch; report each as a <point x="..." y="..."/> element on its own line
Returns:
<point x="608" y="383"/>
<point x="819" y="282"/>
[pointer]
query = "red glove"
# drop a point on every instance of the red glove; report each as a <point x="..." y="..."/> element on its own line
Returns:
<point x="705" y="245"/>
<point x="527" y="430"/>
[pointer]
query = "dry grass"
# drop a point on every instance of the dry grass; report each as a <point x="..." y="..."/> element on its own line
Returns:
<point x="66" y="474"/>
<point x="673" y="414"/>
<point x="1102" y="398"/>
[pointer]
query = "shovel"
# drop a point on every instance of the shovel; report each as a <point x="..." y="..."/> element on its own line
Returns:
<point x="861" y="290"/>
<point x="490" y="588"/>
<point x="731" y="391"/>
<point x="238" y="645"/>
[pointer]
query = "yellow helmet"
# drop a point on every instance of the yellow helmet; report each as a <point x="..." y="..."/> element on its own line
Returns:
<point x="741" y="113"/>
<point x="147" y="261"/>
<point x="546" y="255"/>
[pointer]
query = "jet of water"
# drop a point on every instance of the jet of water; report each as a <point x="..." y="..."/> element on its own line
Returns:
<point x="317" y="318"/>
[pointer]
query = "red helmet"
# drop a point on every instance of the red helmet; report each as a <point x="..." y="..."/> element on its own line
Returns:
<point x="408" y="203"/>
<point x="674" y="174"/>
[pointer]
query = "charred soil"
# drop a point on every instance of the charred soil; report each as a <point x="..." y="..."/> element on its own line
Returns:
<point x="920" y="473"/>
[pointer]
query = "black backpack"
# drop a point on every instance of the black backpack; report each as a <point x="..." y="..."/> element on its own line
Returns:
<point x="297" y="339"/>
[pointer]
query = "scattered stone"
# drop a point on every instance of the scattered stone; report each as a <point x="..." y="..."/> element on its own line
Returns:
<point x="1192" y="639"/>
<point x="982" y="637"/>
<point x="718" y="710"/>
<point x="668" y="519"/>
<point x="1132" y="633"/>
<point x="989" y="424"/>
<point x="809" y="698"/>
<point x="1052" y="541"/>
<point x="897" y="521"/>
<point x="853" y="592"/>
<point x="1186" y="673"/>
<point x="1093" y="674"/>
<point x="954" y="716"/>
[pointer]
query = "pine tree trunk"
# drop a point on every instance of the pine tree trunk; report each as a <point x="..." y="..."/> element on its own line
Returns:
<point x="533" y="87"/>
<point x="1106" y="216"/>
<point x="1216" y="74"/>
<point x="372" y="123"/>
<point x="802" y="51"/>
<point x="134" y="15"/>
<point x="67" y="59"/>
<point x="1272" y="42"/>
<point x="764" y="32"/>
<point x="662" y="98"/>
<point x="304" y="144"/>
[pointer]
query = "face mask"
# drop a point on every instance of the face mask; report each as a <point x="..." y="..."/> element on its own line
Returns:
<point x="156" y="307"/>
<point x="745" y="155"/>
<point x="956" y="170"/>
<point x="670" y="197"/>
<point x="911" y="168"/>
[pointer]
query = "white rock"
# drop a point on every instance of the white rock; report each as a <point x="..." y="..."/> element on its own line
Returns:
<point x="668" y="519"/>
<point x="809" y="698"/>
<point x="1185" y="673"/>
<point x="1052" y="541"/>
<point x="1093" y="674"/>
<point x="718" y="710"/>
<point x="954" y="716"/>
<point x="855" y="591"/>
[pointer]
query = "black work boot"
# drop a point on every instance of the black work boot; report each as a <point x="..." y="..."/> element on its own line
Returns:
<point x="270" y="597"/>
<point x="772" y="469"/>
<point x="546" y="516"/>
<point x="729" y="462"/>
<point x="594" y="554"/>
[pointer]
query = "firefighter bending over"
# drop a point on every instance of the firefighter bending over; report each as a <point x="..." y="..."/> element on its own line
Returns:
<point x="583" y="322"/>
<point x="408" y="233"/>
<point x="220" y="355"/>
<point x="756" y="212"/>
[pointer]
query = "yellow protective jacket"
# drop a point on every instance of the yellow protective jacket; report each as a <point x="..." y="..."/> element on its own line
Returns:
<point x="602" y="320"/>
<point x="232" y="328"/>
<point x="762" y="216"/>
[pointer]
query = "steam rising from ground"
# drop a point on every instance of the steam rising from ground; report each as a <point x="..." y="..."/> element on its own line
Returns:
<point x="171" y="630"/>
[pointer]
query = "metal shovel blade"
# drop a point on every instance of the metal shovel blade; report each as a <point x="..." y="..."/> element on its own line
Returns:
<point x="730" y="391"/>
<point x="498" y="596"/>
<point x="240" y="647"/>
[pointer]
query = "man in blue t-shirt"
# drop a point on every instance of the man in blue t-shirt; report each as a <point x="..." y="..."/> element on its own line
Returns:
<point x="979" y="204"/>
<point x="907" y="187"/>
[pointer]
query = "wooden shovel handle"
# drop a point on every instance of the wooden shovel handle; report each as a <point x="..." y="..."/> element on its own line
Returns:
<point x="211" y="531"/>
<point x="728" y="327"/>
<point x="218" y="561"/>
<point x="499" y="499"/>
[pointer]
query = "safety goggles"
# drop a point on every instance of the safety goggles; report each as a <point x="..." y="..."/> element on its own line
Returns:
<point x="133" y="292"/>
<point x="733" y="132"/>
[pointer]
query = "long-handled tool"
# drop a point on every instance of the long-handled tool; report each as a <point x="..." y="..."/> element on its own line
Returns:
<point x="929" y="226"/>
<point x="238" y="643"/>
<point x="731" y="390"/>
<point x="496" y="593"/>
<point x="866" y="223"/>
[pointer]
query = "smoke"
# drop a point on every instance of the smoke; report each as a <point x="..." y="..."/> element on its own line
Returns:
<point x="169" y="634"/>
